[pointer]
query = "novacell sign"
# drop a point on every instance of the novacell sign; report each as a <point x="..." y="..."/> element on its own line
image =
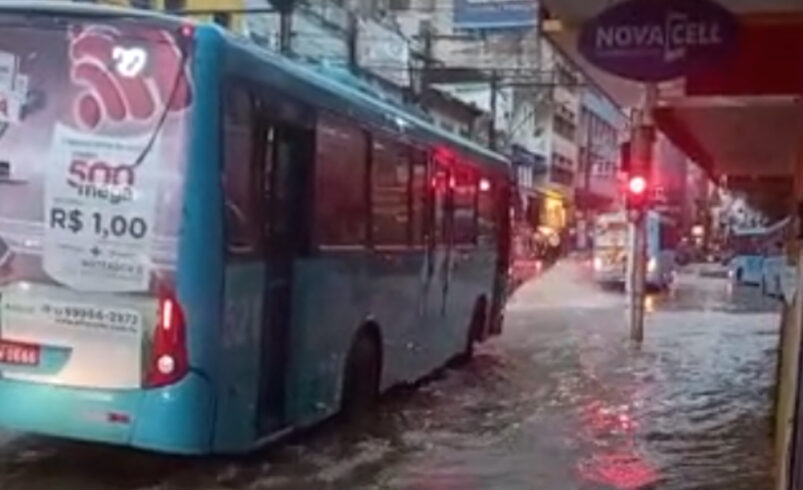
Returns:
<point x="656" y="40"/>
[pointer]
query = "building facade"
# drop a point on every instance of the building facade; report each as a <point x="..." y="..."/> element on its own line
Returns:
<point x="531" y="88"/>
<point x="599" y="181"/>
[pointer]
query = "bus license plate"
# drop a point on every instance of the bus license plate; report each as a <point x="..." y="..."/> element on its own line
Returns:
<point x="19" y="353"/>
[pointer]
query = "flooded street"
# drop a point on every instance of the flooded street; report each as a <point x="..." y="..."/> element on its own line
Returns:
<point x="562" y="401"/>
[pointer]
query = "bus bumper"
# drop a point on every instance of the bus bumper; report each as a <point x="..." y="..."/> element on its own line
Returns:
<point x="609" y="275"/>
<point x="175" y="419"/>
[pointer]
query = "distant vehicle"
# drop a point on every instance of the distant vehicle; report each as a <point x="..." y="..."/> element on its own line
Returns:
<point x="611" y="239"/>
<point x="526" y="260"/>
<point x="217" y="245"/>
<point x="611" y="249"/>
<point x="749" y="250"/>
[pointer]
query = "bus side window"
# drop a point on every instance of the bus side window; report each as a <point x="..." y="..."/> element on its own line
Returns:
<point x="418" y="197"/>
<point x="465" y="201"/>
<point x="487" y="211"/>
<point x="340" y="177"/>
<point x="239" y="184"/>
<point x="390" y="175"/>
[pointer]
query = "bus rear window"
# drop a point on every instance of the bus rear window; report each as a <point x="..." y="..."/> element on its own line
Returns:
<point x="92" y="139"/>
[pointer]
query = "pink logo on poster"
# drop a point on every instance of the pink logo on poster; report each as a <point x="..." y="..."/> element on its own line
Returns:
<point x="126" y="81"/>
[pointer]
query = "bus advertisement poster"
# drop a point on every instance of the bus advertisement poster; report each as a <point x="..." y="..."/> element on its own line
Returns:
<point x="100" y="206"/>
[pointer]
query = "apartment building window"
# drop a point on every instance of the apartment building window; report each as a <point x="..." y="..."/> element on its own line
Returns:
<point x="564" y="127"/>
<point x="561" y="161"/>
<point x="566" y="77"/>
<point x="561" y="176"/>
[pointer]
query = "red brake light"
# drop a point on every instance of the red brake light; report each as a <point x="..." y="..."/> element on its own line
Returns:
<point x="169" y="359"/>
<point x="166" y="314"/>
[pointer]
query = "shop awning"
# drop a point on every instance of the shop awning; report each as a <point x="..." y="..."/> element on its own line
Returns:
<point x="741" y="118"/>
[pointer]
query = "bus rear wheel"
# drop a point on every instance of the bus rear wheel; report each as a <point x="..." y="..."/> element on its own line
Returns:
<point x="362" y="377"/>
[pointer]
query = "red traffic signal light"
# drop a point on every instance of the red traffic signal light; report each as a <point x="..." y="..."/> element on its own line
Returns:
<point x="637" y="192"/>
<point x="637" y="185"/>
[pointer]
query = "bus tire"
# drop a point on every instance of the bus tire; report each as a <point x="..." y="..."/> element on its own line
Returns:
<point x="362" y="375"/>
<point x="475" y="330"/>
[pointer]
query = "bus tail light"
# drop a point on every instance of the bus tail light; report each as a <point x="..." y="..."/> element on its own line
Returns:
<point x="169" y="360"/>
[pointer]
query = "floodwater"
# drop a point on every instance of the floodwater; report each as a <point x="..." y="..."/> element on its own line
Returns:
<point x="561" y="401"/>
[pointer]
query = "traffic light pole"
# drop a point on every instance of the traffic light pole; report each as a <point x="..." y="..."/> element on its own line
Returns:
<point x="638" y="272"/>
<point x="642" y="147"/>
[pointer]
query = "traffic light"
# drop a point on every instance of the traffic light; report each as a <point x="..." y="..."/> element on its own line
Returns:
<point x="637" y="195"/>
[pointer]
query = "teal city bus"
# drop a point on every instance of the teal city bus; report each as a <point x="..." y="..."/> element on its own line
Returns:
<point x="207" y="246"/>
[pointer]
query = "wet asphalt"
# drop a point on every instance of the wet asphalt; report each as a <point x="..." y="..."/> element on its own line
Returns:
<point x="561" y="401"/>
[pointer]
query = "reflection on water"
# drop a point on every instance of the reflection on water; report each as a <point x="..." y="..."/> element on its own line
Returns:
<point x="649" y="303"/>
<point x="690" y="410"/>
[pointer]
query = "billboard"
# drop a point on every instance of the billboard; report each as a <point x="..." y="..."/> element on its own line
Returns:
<point x="495" y="14"/>
<point x="658" y="40"/>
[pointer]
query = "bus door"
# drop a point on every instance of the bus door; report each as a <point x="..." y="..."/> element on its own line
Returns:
<point x="288" y="161"/>
<point x="439" y="257"/>
<point x="505" y="217"/>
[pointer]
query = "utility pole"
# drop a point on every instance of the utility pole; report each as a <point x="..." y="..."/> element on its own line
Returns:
<point x="286" y="28"/>
<point x="587" y="164"/>
<point x="352" y="40"/>
<point x="492" y="126"/>
<point x="641" y="164"/>
<point x="422" y="81"/>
